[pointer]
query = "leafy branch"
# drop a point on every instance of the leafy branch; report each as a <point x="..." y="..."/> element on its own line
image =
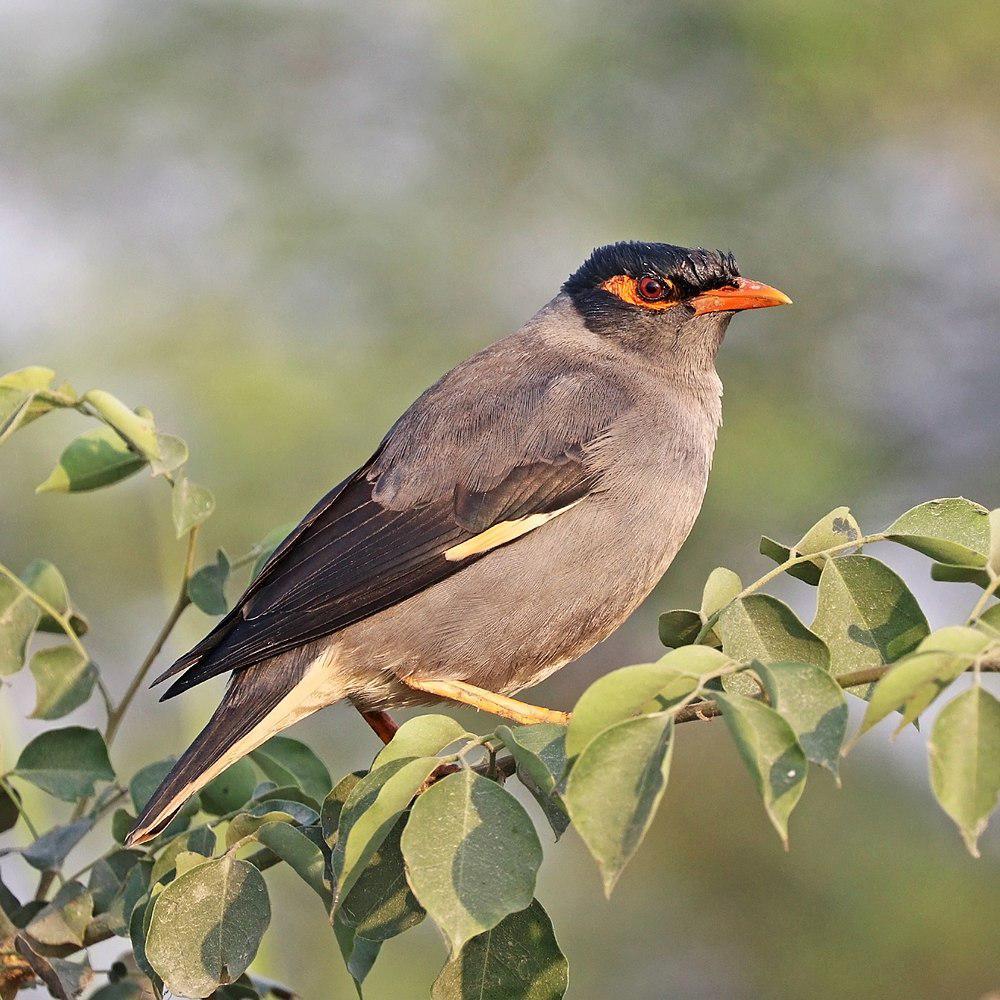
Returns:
<point x="431" y="827"/>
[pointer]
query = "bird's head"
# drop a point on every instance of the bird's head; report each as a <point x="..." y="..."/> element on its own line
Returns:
<point x="656" y="297"/>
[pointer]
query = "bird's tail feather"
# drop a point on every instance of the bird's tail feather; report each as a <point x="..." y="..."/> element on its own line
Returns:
<point x="250" y="714"/>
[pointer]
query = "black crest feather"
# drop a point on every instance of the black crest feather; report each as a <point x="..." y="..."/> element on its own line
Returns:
<point x="691" y="270"/>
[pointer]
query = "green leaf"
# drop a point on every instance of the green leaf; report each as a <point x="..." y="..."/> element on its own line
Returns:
<point x="147" y="779"/>
<point x="66" y="762"/>
<point x="64" y="980"/>
<point x="946" y="573"/>
<point x="359" y="953"/>
<point x="10" y="811"/>
<point x="207" y="925"/>
<point x="190" y="505"/>
<point x="99" y="458"/>
<point x="207" y="586"/>
<point x="381" y="904"/>
<point x="170" y="860"/>
<point x="954" y="530"/>
<point x="15" y="407"/>
<point x="681" y="628"/>
<point x="65" y="919"/>
<point x="333" y="804"/>
<point x="628" y="691"/>
<point x="836" y="528"/>
<point x="30" y="379"/>
<point x="231" y="789"/>
<point x="915" y="681"/>
<point x="370" y="812"/>
<point x="421" y="736"/>
<point x="722" y="587"/>
<point x="109" y="875"/>
<point x="64" y="680"/>
<point x="540" y="755"/>
<point x="247" y="824"/>
<point x="989" y="621"/>
<point x="19" y="616"/>
<point x="866" y="615"/>
<point x="50" y="850"/>
<point x="122" y="822"/>
<point x="289" y="762"/>
<point x="122" y="989"/>
<point x="300" y="854"/>
<point x="48" y="583"/>
<point x="771" y="753"/>
<point x="173" y="454"/>
<point x="142" y="916"/>
<point x="993" y="557"/>
<point x="137" y="430"/>
<point x="813" y="704"/>
<point x="471" y="853"/>
<point x="964" y="757"/>
<point x="615" y="787"/>
<point x="761" y="627"/>
<point x="519" y="958"/>
<point x="19" y="402"/>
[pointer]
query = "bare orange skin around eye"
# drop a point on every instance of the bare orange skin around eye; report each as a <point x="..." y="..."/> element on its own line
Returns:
<point x="627" y="289"/>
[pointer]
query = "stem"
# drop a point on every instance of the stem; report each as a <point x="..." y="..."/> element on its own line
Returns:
<point x="16" y="799"/>
<point x="62" y="620"/>
<point x="704" y="710"/>
<point x="117" y="712"/>
<point x="116" y="715"/>
<point x="984" y="598"/>
<point x="773" y="574"/>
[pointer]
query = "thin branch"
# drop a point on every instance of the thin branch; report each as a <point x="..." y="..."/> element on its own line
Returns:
<point x="62" y="620"/>
<point x="19" y="805"/>
<point x="118" y="713"/>
<point x="783" y="568"/>
<point x="984" y="598"/>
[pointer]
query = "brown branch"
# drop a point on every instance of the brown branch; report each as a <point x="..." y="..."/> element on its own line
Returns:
<point x="118" y="713"/>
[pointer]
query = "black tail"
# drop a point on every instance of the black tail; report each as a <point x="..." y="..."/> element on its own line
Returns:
<point x="244" y="720"/>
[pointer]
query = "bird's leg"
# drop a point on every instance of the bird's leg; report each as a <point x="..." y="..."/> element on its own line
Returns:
<point x="382" y="724"/>
<point x="488" y="701"/>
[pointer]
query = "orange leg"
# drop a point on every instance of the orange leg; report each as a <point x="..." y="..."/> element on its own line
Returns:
<point x="382" y="724"/>
<point x="488" y="701"/>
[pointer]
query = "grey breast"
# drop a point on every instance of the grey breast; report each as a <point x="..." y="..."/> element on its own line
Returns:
<point x="526" y="608"/>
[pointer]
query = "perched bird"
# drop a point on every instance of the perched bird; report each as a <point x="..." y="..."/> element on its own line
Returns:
<point x="511" y="519"/>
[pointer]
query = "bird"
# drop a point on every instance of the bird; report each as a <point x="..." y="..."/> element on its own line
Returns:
<point x="513" y="517"/>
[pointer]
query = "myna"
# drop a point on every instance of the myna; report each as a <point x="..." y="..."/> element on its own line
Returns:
<point x="512" y="518"/>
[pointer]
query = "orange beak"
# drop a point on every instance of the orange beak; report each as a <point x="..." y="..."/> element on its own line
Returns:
<point x="742" y="294"/>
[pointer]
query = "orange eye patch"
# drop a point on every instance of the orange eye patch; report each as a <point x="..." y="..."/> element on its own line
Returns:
<point x="647" y="292"/>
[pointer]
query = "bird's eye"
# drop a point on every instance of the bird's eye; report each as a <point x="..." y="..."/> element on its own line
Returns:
<point x="652" y="289"/>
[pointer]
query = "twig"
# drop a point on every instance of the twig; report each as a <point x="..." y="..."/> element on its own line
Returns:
<point x="16" y="799"/>
<point x="784" y="567"/>
<point x="984" y="598"/>
<point x="118" y="713"/>
<point x="63" y="620"/>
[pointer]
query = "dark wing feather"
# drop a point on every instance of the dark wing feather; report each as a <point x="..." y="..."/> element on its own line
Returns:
<point x="356" y="557"/>
<point x="506" y="434"/>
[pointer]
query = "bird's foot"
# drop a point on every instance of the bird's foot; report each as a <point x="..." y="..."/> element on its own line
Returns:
<point x="489" y="701"/>
<point x="382" y="724"/>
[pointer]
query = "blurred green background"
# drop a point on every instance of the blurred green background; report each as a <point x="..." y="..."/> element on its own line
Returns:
<point x="276" y="223"/>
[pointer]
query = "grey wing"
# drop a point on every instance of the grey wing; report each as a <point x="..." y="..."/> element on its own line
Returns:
<point x="472" y="463"/>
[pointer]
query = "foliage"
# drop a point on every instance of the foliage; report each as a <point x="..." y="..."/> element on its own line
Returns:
<point x="433" y="828"/>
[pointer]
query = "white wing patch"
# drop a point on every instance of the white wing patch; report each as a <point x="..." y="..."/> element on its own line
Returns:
<point x="500" y="534"/>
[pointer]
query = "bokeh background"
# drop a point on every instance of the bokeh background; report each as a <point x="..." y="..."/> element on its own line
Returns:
<point x="276" y="223"/>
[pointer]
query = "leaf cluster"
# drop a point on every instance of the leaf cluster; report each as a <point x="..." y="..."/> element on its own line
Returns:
<point x="441" y="824"/>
